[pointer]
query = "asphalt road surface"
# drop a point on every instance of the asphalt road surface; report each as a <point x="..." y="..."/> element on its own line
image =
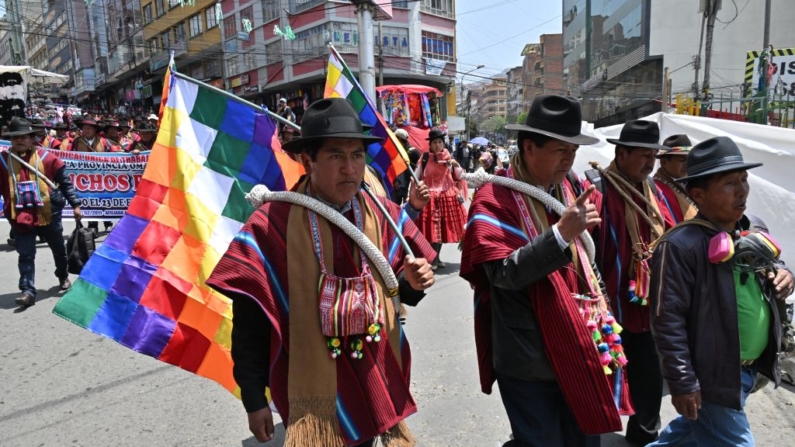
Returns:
<point x="63" y="386"/>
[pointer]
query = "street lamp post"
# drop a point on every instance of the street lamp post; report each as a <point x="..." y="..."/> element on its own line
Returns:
<point x="469" y="103"/>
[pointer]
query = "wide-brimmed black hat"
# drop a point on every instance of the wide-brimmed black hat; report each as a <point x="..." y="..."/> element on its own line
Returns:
<point x="60" y="126"/>
<point x="88" y="122"/>
<point x="329" y="118"/>
<point x="714" y="156"/>
<point x="435" y="134"/>
<point x="676" y="145"/>
<point x="19" y="126"/>
<point x="109" y="124"/>
<point x="639" y="133"/>
<point x="557" y="117"/>
<point x="38" y="124"/>
<point x="145" y="127"/>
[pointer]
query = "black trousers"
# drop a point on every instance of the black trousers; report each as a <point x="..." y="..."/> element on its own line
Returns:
<point x="540" y="416"/>
<point x="645" y="386"/>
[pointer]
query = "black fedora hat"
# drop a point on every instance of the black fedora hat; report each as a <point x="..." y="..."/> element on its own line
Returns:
<point x="639" y="133"/>
<point x="60" y="126"/>
<point x="111" y="124"/>
<point x="435" y="134"/>
<point x="329" y="118"/>
<point x="19" y="126"/>
<point x="88" y="122"/>
<point x="38" y="124"/>
<point x="557" y="117"/>
<point x="145" y="127"/>
<point x="714" y="156"/>
<point x="679" y="145"/>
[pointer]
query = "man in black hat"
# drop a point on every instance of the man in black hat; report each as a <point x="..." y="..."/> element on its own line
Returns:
<point x="61" y="135"/>
<point x="532" y="278"/>
<point x="342" y="376"/>
<point x="147" y="135"/>
<point x="32" y="207"/>
<point x="673" y="165"/>
<point x="633" y="216"/>
<point x="41" y="137"/>
<point x="91" y="141"/>
<point x="715" y="285"/>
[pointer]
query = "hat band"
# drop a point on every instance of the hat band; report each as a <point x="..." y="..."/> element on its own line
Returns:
<point x="569" y="130"/>
<point x="710" y="164"/>
<point x="332" y="125"/>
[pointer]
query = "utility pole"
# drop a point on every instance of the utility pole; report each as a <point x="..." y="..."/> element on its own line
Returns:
<point x="364" y="13"/>
<point x="380" y="54"/>
<point x="713" y="6"/>
<point x="765" y="67"/>
<point x="665" y="91"/>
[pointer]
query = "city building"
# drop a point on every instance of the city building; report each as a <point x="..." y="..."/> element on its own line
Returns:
<point x="191" y="32"/>
<point x="6" y="47"/>
<point x="515" y="92"/>
<point x="272" y="52"/>
<point x="490" y="99"/>
<point x="543" y="68"/>
<point x="69" y="47"/>
<point x="615" y="51"/>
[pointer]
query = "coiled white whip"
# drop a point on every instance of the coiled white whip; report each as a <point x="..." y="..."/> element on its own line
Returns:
<point x="480" y="178"/>
<point x="261" y="194"/>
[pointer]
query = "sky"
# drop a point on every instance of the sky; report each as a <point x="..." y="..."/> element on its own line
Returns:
<point x="494" y="32"/>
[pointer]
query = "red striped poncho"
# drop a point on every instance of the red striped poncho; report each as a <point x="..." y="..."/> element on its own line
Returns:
<point x="372" y="393"/>
<point x="494" y="232"/>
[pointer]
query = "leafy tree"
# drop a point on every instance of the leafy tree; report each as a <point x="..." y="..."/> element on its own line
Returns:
<point x="521" y="118"/>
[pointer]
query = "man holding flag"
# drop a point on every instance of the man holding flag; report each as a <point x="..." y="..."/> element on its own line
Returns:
<point x="332" y="383"/>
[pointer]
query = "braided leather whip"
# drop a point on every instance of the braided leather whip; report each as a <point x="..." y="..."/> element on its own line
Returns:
<point x="480" y="178"/>
<point x="261" y="194"/>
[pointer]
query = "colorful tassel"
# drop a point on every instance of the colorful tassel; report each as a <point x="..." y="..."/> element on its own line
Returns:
<point x="608" y="371"/>
<point x="617" y="329"/>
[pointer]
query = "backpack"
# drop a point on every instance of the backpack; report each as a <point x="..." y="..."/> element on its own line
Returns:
<point x="79" y="247"/>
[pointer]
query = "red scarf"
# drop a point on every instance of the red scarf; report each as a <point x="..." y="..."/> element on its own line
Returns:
<point x="595" y="399"/>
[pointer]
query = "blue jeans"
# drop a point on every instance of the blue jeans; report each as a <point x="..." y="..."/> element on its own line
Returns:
<point x="716" y="426"/>
<point x="26" y="248"/>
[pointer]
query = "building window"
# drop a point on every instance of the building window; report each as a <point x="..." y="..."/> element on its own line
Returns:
<point x="247" y="14"/>
<point x="153" y="45"/>
<point x="249" y="61"/>
<point x="231" y="66"/>
<point x="395" y="41"/>
<point x="179" y="32"/>
<point x="230" y="27"/>
<point x="165" y="41"/>
<point x="195" y="25"/>
<point x="273" y="52"/>
<point x="174" y="3"/>
<point x="439" y="7"/>
<point x="270" y="10"/>
<point x="437" y="46"/>
<point x="400" y="4"/>
<point x="147" y="13"/>
<point x="209" y="14"/>
<point x="160" y="7"/>
<point x="310" y="43"/>
<point x="301" y="5"/>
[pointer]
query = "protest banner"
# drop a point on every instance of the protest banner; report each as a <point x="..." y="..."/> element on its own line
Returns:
<point x="105" y="181"/>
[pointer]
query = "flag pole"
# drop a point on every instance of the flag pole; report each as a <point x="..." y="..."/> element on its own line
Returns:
<point x="372" y="195"/>
<point x="408" y="165"/>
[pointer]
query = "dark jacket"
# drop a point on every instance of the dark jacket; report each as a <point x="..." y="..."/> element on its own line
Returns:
<point x="693" y="307"/>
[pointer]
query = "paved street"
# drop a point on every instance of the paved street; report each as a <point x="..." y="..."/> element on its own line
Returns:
<point x="63" y="386"/>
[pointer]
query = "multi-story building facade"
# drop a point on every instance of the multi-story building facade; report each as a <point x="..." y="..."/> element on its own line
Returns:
<point x="531" y="63"/>
<point x="543" y="68"/>
<point x="615" y="50"/>
<point x="418" y="47"/>
<point x="6" y="50"/>
<point x="493" y="99"/>
<point x="515" y="89"/>
<point x="68" y="41"/>
<point x="191" y="32"/>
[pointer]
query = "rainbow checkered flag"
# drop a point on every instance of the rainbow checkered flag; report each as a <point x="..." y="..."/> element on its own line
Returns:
<point x="145" y="285"/>
<point x="387" y="157"/>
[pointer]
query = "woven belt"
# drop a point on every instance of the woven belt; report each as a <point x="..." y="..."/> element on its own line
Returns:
<point x="747" y="362"/>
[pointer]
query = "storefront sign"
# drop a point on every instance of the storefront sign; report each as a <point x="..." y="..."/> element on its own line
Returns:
<point x="251" y="89"/>
<point x="240" y="80"/>
<point x="242" y="35"/>
<point x="147" y="91"/>
<point x="217" y="83"/>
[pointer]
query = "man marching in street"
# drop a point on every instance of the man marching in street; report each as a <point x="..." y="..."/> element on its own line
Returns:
<point x="338" y="373"/>
<point x="90" y="141"/>
<point x="673" y="165"/>
<point x="715" y="283"/>
<point x="33" y="208"/>
<point x="148" y="136"/>
<point x="62" y="136"/>
<point x="42" y="137"/>
<point x="543" y="328"/>
<point x="633" y="216"/>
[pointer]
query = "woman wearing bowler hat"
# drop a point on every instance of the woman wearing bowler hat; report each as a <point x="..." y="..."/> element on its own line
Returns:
<point x="442" y="220"/>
